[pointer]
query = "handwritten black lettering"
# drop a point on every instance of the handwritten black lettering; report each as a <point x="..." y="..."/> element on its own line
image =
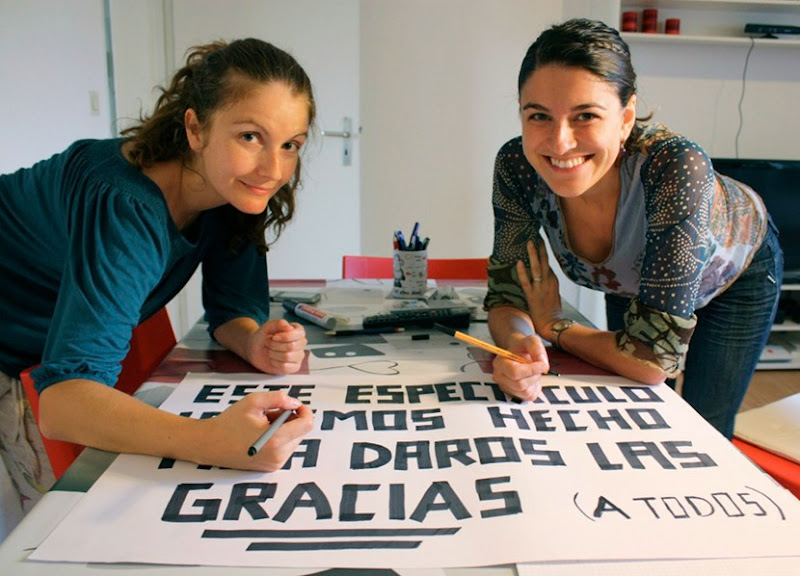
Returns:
<point x="442" y="392"/>
<point x="382" y="420"/>
<point x="548" y="457"/>
<point x="511" y="501"/>
<point x="440" y="496"/>
<point x="574" y="420"/>
<point x="242" y="499"/>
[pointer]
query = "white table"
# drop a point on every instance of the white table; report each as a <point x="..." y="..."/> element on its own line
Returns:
<point x="194" y="353"/>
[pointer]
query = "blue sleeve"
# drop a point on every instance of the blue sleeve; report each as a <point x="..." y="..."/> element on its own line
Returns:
<point x="235" y="285"/>
<point x="116" y="254"/>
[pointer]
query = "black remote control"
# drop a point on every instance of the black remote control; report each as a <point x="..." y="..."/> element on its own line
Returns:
<point x="422" y="317"/>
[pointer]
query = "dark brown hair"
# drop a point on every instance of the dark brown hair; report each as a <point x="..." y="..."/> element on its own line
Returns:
<point x="598" y="48"/>
<point x="217" y="75"/>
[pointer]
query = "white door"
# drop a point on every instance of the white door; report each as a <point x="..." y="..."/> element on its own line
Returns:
<point x="323" y="35"/>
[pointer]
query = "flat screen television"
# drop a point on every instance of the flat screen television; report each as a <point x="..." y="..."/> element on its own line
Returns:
<point x="778" y="183"/>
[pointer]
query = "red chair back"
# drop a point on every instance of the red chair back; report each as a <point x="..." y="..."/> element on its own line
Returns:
<point x="438" y="268"/>
<point x="61" y="454"/>
<point x="150" y="342"/>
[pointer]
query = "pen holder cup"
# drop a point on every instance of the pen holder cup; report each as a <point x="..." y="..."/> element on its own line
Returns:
<point x="410" y="269"/>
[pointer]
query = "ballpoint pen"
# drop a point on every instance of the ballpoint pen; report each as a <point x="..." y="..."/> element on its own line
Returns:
<point x="269" y="432"/>
<point x="413" y="240"/>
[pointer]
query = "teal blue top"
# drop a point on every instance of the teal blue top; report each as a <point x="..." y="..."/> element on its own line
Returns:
<point x="88" y="250"/>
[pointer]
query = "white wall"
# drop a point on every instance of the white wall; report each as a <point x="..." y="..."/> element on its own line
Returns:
<point x="52" y="55"/>
<point x="437" y="93"/>
<point x="699" y="91"/>
<point x="150" y="42"/>
<point x="438" y="100"/>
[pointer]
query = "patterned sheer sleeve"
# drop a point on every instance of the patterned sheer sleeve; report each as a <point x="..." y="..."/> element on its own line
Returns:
<point x="679" y="189"/>
<point x="515" y="222"/>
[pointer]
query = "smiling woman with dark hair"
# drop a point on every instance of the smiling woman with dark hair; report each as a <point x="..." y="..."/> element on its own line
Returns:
<point x="688" y="258"/>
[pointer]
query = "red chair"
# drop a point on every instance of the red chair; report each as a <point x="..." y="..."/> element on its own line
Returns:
<point x="150" y="342"/>
<point x="438" y="269"/>
<point x="61" y="454"/>
<point x="784" y="471"/>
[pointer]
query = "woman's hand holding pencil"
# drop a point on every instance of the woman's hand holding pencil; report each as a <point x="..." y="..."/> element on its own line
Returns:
<point x="523" y="381"/>
<point x="253" y="433"/>
<point x="517" y="370"/>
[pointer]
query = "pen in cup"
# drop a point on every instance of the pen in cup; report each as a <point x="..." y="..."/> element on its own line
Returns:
<point x="413" y="240"/>
<point x="413" y="244"/>
<point x="269" y="433"/>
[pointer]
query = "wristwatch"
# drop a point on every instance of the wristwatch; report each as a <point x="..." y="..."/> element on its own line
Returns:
<point x="558" y="328"/>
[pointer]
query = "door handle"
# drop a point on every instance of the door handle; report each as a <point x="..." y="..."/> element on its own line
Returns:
<point x="346" y="134"/>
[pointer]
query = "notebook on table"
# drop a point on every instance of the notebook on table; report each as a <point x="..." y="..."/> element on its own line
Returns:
<point x="774" y="427"/>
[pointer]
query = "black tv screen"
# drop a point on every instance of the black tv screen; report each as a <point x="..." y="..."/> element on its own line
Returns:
<point x="778" y="183"/>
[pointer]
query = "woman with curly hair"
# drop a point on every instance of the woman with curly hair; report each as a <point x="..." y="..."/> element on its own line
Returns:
<point x="101" y="236"/>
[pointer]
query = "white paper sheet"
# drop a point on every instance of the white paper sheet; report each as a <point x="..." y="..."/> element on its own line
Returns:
<point x="716" y="567"/>
<point x="434" y="471"/>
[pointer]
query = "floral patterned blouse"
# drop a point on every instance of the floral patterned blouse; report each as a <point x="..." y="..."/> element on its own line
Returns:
<point x="677" y="242"/>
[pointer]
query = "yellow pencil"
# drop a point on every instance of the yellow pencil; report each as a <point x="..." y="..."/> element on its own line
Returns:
<point x="481" y="344"/>
<point x="486" y="346"/>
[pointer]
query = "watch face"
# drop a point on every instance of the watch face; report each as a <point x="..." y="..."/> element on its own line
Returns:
<point x="562" y="325"/>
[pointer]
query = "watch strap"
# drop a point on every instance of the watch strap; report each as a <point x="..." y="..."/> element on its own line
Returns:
<point x="566" y="325"/>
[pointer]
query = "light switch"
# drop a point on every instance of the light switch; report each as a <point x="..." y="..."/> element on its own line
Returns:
<point x="94" y="102"/>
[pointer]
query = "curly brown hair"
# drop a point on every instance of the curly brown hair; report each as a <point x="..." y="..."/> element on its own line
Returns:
<point x="217" y="75"/>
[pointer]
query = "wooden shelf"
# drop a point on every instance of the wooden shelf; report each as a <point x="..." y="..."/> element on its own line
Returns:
<point x="786" y="334"/>
<point x="713" y="22"/>
<point x="679" y="39"/>
<point x="779" y="6"/>
<point x="786" y="326"/>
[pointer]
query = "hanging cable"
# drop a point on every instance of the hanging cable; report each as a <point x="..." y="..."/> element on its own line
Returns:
<point x="741" y="97"/>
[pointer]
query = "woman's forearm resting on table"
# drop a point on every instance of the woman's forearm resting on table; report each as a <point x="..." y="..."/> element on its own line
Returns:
<point x="235" y="334"/>
<point x="275" y="347"/>
<point x="93" y="414"/>
<point x="599" y="348"/>
<point x="508" y="325"/>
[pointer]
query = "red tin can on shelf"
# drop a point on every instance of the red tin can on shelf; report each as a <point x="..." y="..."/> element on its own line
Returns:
<point x="650" y="20"/>
<point x="630" y="22"/>
<point x="672" y="26"/>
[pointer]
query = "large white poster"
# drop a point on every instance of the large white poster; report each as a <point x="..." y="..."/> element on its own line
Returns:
<point x="440" y="471"/>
